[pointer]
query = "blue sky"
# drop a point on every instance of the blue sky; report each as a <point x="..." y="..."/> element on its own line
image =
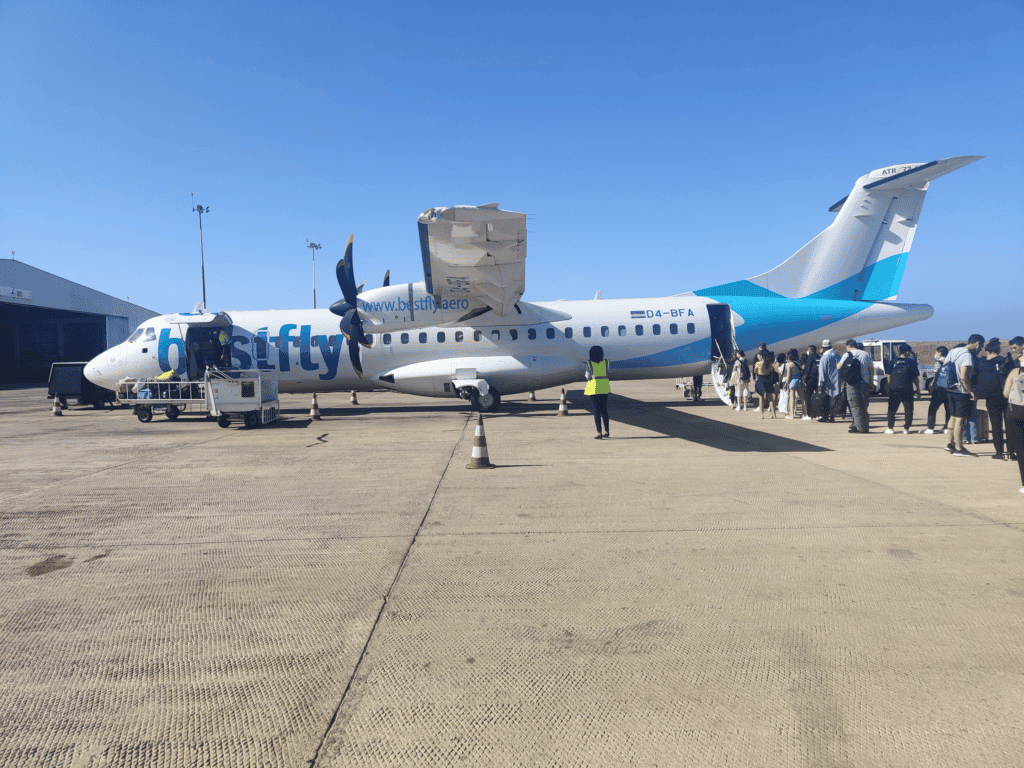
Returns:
<point x="657" y="147"/>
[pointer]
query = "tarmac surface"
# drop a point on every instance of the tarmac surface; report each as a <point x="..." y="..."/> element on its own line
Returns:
<point x="706" y="588"/>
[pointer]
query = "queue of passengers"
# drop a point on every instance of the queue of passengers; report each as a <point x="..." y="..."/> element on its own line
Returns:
<point x="826" y="385"/>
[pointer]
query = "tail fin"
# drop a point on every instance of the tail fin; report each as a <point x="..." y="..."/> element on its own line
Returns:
<point x="862" y="254"/>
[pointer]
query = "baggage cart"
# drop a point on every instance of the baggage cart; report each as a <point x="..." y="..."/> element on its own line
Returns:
<point x="227" y="395"/>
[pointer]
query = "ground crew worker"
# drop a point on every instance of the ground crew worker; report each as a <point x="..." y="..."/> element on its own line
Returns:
<point x="225" y="348"/>
<point x="598" y="388"/>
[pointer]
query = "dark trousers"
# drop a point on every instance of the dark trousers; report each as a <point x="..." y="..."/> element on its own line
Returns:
<point x="996" y="407"/>
<point x="1016" y="439"/>
<point x="905" y="396"/>
<point x="600" y="403"/>
<point x="938" y="398"/>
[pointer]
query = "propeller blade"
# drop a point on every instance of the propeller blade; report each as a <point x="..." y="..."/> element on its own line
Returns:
<point x="346" y="275"/>
<point x="353" y="355"/>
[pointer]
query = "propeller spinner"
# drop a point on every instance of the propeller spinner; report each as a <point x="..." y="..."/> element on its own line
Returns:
<point x="348" y="309"/>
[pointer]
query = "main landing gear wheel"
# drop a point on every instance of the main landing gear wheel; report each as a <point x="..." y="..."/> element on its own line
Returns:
<point x="145" y="414"/>
<point x="223" y="421"/>
<point x="487" y="403"/>
<point x="173" y="412"/>
<point x="252" y="419"/>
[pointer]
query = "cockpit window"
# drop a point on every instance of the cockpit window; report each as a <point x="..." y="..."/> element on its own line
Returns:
<point x="134" y="336"/>
<point x="150" y="335"/>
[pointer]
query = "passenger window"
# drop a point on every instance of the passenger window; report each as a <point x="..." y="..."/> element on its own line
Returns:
<point x="551" y="333"/>
<point x="458" y="335"/>
<point x="531" y="333"/>
<point x="369" y="339"/>
<point x="586" y="331"/>
<point x="639" y="330"/>
<point x="405" y="338"/>
<point x="513" y="334"/>
<point x="440" y="337"/>
<point x="673" y="329"/>
<point x="423" y="338"/>
<point x="691" y="328"/>
<point x="496" y="335"/>
<point x="622" y="330"/>
<point x="477" y="335"/>
<point x="386" y="339"/>
<point x="604" y="330"/>
<point x="568" y="333"/>
<point x="656" y="330"/>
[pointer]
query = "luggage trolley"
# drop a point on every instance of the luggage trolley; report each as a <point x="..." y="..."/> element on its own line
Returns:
<point x="228" y="395"/>
<point x="149" y="396"/>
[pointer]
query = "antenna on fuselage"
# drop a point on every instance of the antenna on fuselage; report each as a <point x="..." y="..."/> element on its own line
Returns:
<point x="597" y="295"/>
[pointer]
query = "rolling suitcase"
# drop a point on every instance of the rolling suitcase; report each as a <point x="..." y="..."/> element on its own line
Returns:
<point x="817" y="405"/>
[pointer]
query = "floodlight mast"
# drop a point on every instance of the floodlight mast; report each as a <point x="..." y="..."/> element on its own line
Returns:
<point x="314" y="247"/>
<point x="314" y="407"/>
<point x="202" y="259"/>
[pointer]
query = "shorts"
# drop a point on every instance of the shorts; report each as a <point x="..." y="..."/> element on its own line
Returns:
<point x="959" y="404"/>
<point x="794" y="383"/>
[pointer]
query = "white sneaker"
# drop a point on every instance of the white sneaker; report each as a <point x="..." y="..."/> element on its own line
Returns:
<point x="1022" y="490"/>
<point x="888" y="432"/>
<point x="737" y="407"/>
<point x="906" y="431"/>
<point x="928" y="432"/>
<point x="789" y="417"/>
<point x="757" y="410"/>
<point x="806" y="418"/>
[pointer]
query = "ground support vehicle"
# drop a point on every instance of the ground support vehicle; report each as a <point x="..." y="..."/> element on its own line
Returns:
<point x="227" y="395"/>
<point x="246" y="396"/>
<point x="883" y="353"/>
<point x="67" y="380"/>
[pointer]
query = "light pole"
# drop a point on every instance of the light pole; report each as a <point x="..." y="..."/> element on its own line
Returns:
<point x="313" y="247"/>
<point x="314" y="407"/>
<point x="202" y="259"/>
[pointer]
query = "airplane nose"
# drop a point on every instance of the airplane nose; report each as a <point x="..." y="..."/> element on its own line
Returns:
<point x="101" y="370"/>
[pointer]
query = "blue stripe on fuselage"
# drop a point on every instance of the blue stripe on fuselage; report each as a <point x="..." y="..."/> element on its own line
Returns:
<point x="764" y="319"/>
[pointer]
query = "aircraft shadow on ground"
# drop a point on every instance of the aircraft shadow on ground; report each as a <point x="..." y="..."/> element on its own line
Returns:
<point x="689" y="426"/>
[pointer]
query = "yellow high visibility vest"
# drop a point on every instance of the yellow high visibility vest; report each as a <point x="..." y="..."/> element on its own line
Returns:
<point x="599" y="384"/>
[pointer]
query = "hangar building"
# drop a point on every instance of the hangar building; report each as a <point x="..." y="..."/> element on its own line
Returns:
<point x="46" y="319"/>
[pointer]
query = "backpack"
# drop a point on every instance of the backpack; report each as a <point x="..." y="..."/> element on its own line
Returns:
<point x="988" y="378"/>
<point x="947" y="377"/>
<point x="851" y="371"/>
<point x="901" y="375"/>
<point x="1015" y="402"/>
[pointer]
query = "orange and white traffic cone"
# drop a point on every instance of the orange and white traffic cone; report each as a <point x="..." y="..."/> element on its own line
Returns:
<point x="479" y="459"/>
<point x="563" y="408"/>
<point x="314" y="409"/>
<point x="56" y="407"/>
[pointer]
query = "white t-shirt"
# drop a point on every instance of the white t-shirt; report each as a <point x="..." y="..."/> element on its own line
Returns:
<point x="961" y="357"/>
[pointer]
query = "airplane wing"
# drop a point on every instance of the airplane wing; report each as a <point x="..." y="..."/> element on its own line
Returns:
<point x="476" y="253"/>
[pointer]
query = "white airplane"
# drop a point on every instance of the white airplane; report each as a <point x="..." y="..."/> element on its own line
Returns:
<point x="464" y="330"/>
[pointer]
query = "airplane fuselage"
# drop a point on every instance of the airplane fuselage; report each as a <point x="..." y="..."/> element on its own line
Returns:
<point x="541" y="345"/>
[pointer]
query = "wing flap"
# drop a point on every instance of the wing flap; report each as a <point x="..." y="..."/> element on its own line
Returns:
<point x="475" y="252"/>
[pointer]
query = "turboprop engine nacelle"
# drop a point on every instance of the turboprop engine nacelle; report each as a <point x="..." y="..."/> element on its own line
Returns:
<point x="408" y="305"/>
